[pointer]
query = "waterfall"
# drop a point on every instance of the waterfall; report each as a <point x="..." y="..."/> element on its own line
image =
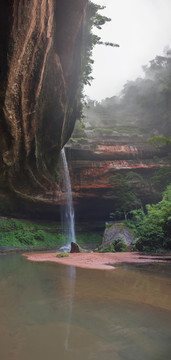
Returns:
<point x="69" y="219"/>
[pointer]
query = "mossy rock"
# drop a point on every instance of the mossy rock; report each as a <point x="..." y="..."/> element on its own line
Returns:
<point x="118" y="231"/>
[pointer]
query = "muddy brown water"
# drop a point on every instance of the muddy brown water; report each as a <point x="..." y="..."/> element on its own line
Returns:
<point x="52" y="311"/>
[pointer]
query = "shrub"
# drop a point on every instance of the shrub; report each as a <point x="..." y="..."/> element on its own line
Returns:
<point x="151" y="238"/>
<point x="153" y="228"/>
<point x="107" y="248"/>
<point x="120" y="245"/>
<point x="25" y="237"/>
<point x="167" y="244"/>
<point x="39" y="235"/>
<point x="61" y="255"/>
<point x="117" y="245"/>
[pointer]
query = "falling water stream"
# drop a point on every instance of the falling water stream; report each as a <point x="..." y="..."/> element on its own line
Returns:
<point x="69" y="219"/>
<point x="69" y="226"/>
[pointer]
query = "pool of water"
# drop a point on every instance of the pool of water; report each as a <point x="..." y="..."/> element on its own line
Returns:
<point x="51" y="311"/>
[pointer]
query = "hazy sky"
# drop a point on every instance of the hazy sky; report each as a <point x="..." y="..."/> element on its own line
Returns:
<point x="142" y="28"/>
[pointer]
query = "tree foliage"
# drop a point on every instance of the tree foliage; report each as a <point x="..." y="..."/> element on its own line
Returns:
<point x="161" y="178"/>
<point x="125" y="192"/>
<point x="154" y="228"/>
<point x="159" y="141"/>
<point x="93" y="20"/>
<point x="143" y="104"/>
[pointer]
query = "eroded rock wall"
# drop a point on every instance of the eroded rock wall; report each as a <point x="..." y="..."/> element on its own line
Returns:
<point x="40" y="62"/>
<point x="94" y="161"/>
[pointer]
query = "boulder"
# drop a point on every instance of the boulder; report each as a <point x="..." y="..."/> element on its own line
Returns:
<point x="116" y="231"/>
<point x="75" y="248"/>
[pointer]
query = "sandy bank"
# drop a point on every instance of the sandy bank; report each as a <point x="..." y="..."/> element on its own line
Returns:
<point x="100" y="261"/>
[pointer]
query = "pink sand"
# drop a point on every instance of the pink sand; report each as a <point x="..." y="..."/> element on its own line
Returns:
<point x="100" y="261"/>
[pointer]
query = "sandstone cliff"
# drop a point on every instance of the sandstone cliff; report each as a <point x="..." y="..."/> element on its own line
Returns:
<point x="93" y="160"/>
<point x="40" y="67"/>
<point x="40" y="62"/>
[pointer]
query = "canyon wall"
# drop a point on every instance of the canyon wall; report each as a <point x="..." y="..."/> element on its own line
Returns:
<point x="40" y="66"/>
<point x="94" y="160"/>
<point x="40" y="73"/>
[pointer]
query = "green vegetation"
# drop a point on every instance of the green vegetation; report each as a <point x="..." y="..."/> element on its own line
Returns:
<point x="102" y="130"/>
<point x="62" y="255"/>
<point x="89" y="238"/>
<point x="153" y="229"/>
<point x="117" y="245"/>
<point x="109" y="225"/>
<point x="20" y="234"/>
<point x="159" y="141"/>
<point x="80" y="140"/>
<point x="161" y="178"/>
<point x="120" y="245"/>
<point x="93" y="19"/>
<point x="27" y="235"/>
<point x="126" y="193"/>
<point x="143" y="105"/>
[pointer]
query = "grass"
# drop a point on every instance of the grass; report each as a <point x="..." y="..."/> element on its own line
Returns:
<point x="27" y="235"/>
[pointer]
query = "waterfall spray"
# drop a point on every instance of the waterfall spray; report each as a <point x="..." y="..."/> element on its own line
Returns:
<point x="69" y="218"/>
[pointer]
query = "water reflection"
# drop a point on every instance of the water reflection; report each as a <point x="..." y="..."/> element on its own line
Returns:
<point x="71" y="272"/>
<point x="50" y="311"/>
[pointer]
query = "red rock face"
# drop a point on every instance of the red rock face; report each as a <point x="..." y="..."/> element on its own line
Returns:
<point x="40" y="56"/>
<point x="116" y="149"/>
<point x="92" y="165"/>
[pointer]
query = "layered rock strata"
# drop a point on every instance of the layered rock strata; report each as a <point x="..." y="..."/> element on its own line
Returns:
<point x="95" y="160"/>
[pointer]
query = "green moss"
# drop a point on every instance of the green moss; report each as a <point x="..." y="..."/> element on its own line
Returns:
<point x="107" y="226"/>
<point x="61" y="255"/>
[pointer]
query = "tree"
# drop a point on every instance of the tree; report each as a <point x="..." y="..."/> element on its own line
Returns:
<point x="159" y="141"/>
<point x="124" y="194"/>
<point x="93" y="19"/>
<point x="154" y="229"/>
<point x="161" y="178"/>
<point x="143" y="103"/>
